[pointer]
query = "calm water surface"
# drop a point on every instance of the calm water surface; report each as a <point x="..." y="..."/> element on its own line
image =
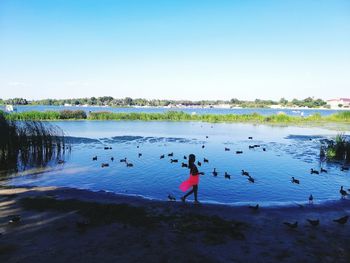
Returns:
<point x="290" y="151"/>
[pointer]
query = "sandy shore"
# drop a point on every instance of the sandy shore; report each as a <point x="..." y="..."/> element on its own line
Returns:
<point x="70" y="225"/>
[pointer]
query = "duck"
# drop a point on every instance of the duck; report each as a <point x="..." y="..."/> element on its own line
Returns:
<point x="291" y="225"/>
<point x="239" y="152"/>
<point x="174" y="160"/>
<point x="254" y="207"/>
<point x="14" y="219"/>
<point x="324" y="170"/>
<point x="251" y="179"/>
<point x="129" y="165"/>
<point x="171" y="197"/>
<point x="250" y="138"/>
<point x="295" y="181"/>
<point x="203" y="146"/>
<point x="312" y="171"/>
<point x="94" y="158"/>
<point x="199" y="163"/>
<point x="313" y="222"/>
<point x="251" y="146"/>
<point x="227" y="176"/>
<point x="227" y="149"/>
<point x="105" y="165"/>
<point x="140" y="154"/>
<point x="207" y="137"/>
<point x="342" y="192"/>
<point x="343" y="168"/>
<point x="184" y="165"/>
<point x="245" y="173"/>
<point x="162" y="156"/>
<point x="123" y="160"/>
<point x="185" y="157"/>
<point x="264" y="149"/>
<point x="205" y="160"/>
<point x="171" y="154"/>
<point x="256" y="145"/>
<point x="112" y="159"/>
<point x="311" y="199"/>
<point x="215" y="173"/>
<point x="341" y="220"/>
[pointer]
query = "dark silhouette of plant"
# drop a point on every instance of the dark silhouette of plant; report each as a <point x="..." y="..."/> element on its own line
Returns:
<point x="337" y="149"/>
<point x="29" y="143"/>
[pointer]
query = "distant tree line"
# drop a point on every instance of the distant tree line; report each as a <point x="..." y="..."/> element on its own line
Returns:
<point x="129" y="102"/>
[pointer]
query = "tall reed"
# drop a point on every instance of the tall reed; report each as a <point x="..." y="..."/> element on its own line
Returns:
<point x="29" y="143"/>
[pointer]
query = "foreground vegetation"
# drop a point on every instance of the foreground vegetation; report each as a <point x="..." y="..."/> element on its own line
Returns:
<point x="28" y="143"/>
<point x="177" y="116"/>
<point x="126" y="102"/>
<point x="337" y="149"/>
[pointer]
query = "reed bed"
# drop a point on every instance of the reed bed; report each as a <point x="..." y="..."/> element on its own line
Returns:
<point x="29" y="143"/>
<point x="343" y="117"/>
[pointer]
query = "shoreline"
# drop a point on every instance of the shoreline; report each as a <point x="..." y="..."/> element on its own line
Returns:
<point x="141" y="198"/>
<point x="52" y="229"/>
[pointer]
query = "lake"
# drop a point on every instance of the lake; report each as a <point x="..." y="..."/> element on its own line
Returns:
<point x="290" y="151"/>
<point x="262" y="111"/>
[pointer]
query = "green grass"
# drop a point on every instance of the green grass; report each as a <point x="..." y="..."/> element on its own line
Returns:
<point x="337" y="149"/>
<point x="343" y="117"/>
<point x="33" y="116"/>
<point x="47" y="115"/>
<point x="254" y="117"/>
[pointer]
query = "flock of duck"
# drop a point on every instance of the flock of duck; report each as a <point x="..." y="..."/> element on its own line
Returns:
<point x="215" y="173"/>
<point x="250" y="179"/>
<point x="292" y="225"/>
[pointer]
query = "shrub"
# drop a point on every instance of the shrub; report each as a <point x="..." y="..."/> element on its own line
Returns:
<point x="72" y="114"/>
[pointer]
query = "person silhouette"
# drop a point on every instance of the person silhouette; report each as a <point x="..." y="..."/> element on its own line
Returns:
<point x="192" y="181"/>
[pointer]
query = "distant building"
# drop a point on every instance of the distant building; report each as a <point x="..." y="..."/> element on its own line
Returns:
<point x="339" y="103"/>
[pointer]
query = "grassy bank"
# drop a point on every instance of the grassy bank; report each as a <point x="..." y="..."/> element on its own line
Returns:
<point x="343" y="117"/>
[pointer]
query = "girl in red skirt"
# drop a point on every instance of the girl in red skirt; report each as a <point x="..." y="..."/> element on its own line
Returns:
<point x="192" y="181"/>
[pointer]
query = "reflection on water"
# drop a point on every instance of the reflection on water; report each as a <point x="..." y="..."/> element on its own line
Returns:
<point x="289" y="151"/>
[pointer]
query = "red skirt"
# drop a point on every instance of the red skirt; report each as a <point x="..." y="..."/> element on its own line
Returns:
<point x="191" y="181"/>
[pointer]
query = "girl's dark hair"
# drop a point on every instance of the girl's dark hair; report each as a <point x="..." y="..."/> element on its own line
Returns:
<point x="191" y="160"/>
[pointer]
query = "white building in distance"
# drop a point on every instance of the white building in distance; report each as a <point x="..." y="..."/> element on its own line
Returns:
<point x="339" y="103"/>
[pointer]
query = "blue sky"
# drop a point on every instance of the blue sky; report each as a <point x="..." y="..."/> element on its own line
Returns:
<point x="175" y="49"/>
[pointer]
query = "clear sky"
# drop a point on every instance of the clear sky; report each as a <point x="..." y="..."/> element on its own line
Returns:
<point x="171" y="49"/>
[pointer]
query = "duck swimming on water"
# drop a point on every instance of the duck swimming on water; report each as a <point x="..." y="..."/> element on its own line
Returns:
<point x="245" y="173"/>
<point x="312" y="171"/>
<point x="295" y="181"/>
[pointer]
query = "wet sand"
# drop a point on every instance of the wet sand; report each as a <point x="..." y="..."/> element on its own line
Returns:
<point x="70" y="225"/>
